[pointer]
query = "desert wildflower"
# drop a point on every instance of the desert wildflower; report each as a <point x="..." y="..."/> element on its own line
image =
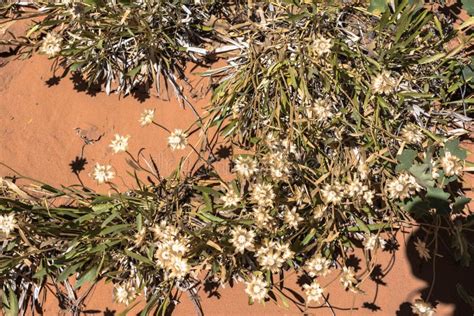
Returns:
<point x="245" y="166"/>
<point x="451" y="164"/>
<point x="383" y="83"/>
<point x="271" y="255"/>
<point x="177" y="139"/>
<point x="242" y="239"/>
<point x="7" y="224"/>
<point x="51" y="45"/>
<point x="231" y="199"/>
<point x="292" y="218"/>
<point x="256" y="288"/>
<point x="314" y="292"/>
<point x="412" y="134"/>
<point x="125" y="294"/>
<point x="147" y="117"/>
<point x="261" y="216"/>
<point x="319" y="111"/>
<point x="120" y="143"/>
<point x="332" y="193"/>
<point x="140" y="237"/>
<point x="317" y="266"/>
<point x="103" y="173"/>
<point x="178" y="267"/>
<point x="355" y="188"/>
<point x="318" y="211"/>
<point x="262" y="194"/>
<point x="322" y="45"/>
<point x="402" y="187"/>
<point x="348" y="279"/>
<point x="422" y="249"/>
<point x="422" y="308"/>
<point x="372" y="242"/>
<point x="368" y="196"/>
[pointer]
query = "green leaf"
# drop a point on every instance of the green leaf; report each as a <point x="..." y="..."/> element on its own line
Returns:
<point x="468" y="5"/>
<point x="453" y="147"/>
<point x="308" y="237"/>
<point x="378" y="6"/>
<point x="422" y="175"/>
<point x="114" y="229"/>
<point x="460" y="202"/>
<point x="406" y="159"/>
<point x="138" y="257"/>
<point x="438" y="199"/>
<point x="90" y="276"/>
<point x="417" y="206"/>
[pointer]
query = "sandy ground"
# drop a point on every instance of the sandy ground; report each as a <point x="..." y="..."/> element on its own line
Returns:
<point x="40" y="119"/>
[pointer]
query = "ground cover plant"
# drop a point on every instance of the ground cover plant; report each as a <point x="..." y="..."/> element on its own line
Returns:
<point x="348" y="120"/>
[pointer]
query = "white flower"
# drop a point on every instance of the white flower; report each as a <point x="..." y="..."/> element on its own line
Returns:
<point x="422" y="308"/>
<point x="451" y="164"/>
<point x="318" y="266"/>
<point x="355" y="188"/>
<point x="231" y="199"/>
<point x="292" y="218"/>
<point x="120" y="143"/>
<point x="322" y="45"/>
<point x="318" y="212"/>
<point x="272" y="255"/>
<point x="383" y="83"/>
<point x="256" y="288"/>
<point x="412" y="134"/>
<point x="263" y="194"/>
<point x="332" y="193"/>
<point x="369" y="197"/>
<point x="320" y="110"/>
<point x="103" y="173"/>
<point x="147" y="117"/>
<point x="179" y="267"/>
<point x="7" y="224"/>
<point x="371" y="242"/>
<point x="348" y="279"/>
<point x="261" y="216"/>
<point x="402" y="187"/>
<point x="422" y="249"/>
<point x="314" y="292"/>
<point x="124" y="294"/>
<point x="242" y="239"/>
<point x="245" y="166"/>
<point x="51" y="45"/>
<point x="177" y="139"/>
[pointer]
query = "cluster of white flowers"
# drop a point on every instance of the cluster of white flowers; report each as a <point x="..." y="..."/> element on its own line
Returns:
<point x="51" y="45"/>
<point x="7" y="224"/>
<point x="272" y="255"/>
<point x="278" y="165"/>
<point x="322" y="45"/>
<point x="292" y="218"/>
<point x="262" y="194"/>
<point x="177" y="139"/>
<point x="372" y="242"/>
<point x="412" y="134"/>
<point x="402" y="187"/>
<point x="383" y="83"/>
<point x="314" y="292"/>
<point x="231" y="198"/>
<point x="119" y="144"/>
<point x="245" y="166"/>
<point x="242" y="239"/>
<point x="317" y="266"/>
<point x="319" y="111"/>
<point x="125" y="293"/>
<point x="171" y="249"/>
<point x="348" y="278"/>
<point x="422" y="308"/>
<point x="103" y="173"/>
<point x="318" y="211"/>
<point x="256" y="288"/>
<point x="147" y="117"/>
<point x="451" y="164"/>
<point x="332" y="193"/>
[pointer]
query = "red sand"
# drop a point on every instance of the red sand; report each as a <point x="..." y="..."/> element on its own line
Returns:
<point x="38" y="139"/>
